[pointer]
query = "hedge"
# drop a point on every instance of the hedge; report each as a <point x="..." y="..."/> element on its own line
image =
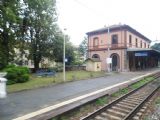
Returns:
<point x="16" y="74"/>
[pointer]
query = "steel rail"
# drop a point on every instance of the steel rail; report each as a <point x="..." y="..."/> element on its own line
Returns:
<point x="99" y="111"/>
<point x="139" y="106"/>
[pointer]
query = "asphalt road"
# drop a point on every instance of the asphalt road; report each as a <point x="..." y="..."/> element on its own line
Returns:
<point x="21" y="103"/>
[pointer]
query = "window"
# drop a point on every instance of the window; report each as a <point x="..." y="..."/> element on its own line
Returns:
<point x="136" y="42"/>
<point x="141" y="43"/>
<point x="144" y="45"/>
<point x="96" y="56"/>
<point x="114" y="39"/>
<point x="130" y="40"/>
<point x="148" y="46"/>
<point x="95" y="42"/>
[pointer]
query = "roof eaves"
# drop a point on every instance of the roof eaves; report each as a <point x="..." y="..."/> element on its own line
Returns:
<point x="118" y="27"/>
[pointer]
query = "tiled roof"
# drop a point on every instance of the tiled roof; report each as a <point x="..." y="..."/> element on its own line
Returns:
<point x="93" y="59"/>
<point x="113" y="28"/>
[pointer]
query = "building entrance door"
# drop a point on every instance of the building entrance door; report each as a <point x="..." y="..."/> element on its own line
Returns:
<point x="115" y="62"/>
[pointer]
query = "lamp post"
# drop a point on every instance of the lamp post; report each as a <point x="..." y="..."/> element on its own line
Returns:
<point x="64" y="74"/>
<point x="108" y="57"/>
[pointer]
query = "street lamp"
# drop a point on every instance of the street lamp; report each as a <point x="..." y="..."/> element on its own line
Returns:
<point x="108" y="59"/>
<point x="64" y="74"/>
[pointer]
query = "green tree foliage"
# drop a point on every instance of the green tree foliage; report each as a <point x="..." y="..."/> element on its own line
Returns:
<point x="57" y="48"/>
<point x="31" y="25"/>
<point x="70" y="55"/>
<point x="83" y="47"/>
<point x="9" y="18"/>
<point x="156" y="46"/>
<point x="41" y="17"/>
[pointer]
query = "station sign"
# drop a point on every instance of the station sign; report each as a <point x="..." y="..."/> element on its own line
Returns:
<point x="66" y="60"/>
<point x="141" y="54"/>
<point x="109" y="60"/>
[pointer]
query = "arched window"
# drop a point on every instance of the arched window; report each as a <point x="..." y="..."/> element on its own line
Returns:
<point x="96" y="56"/>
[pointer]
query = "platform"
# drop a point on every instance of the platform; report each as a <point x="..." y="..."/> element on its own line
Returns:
<point x="33" y="101"/>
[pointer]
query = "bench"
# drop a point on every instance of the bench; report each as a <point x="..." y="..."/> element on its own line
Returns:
<point x="45" y="73"/>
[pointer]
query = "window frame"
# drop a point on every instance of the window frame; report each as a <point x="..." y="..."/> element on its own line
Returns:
<point x="130" y="40"/>
<point x="136" y="42"/>
<point x="95" y="42"/>
<point x="114" y="41"/>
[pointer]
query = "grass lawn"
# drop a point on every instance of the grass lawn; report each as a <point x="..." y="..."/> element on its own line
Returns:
<point x="36" y="81"/>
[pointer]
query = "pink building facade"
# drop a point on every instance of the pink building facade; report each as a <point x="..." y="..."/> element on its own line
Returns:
<point x="114" y="42"/>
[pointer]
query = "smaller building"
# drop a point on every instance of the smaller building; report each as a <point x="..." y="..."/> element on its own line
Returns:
<point x="93" y="64"/>
<point x="23" y="59"/>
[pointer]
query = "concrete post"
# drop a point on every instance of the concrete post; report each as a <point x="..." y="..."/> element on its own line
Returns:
<point x="3" y="85"/>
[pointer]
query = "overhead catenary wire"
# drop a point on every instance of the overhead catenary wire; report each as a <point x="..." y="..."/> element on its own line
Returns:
<point x="92" y="11"/>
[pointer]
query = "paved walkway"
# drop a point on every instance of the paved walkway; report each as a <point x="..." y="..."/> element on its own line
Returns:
<point x="21" y="103"/>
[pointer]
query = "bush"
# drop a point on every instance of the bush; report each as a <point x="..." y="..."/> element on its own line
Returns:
<point x="58" y="68"/>
<point x="16" y="74"/>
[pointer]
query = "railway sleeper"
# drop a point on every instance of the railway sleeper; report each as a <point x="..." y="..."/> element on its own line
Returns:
<point x="143" y="95"/>
<point x="116" y="113"/>
<point x="124" y="106"/>
<point x="127" y="104"/>
<point x="139" y="95"/>
<point x="136" y="118"/>
<point x="133" y="98"/>
<point x="131" y="102"/>
<point x="120" y="109"/>
<point x="99" y="118"/>
<point x="110" y="117"/>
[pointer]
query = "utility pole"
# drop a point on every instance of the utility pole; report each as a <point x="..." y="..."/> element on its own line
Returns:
<point x="64" y="59"/>
<point x="108" y="56"/>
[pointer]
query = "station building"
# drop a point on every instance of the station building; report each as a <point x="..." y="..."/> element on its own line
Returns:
<point x="126" y="48"/>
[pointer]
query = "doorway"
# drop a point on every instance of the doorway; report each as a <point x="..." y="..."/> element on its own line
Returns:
<point x="115" y="62"/>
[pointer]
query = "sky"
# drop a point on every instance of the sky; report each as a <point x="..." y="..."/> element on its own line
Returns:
<point x="82" y="16"/>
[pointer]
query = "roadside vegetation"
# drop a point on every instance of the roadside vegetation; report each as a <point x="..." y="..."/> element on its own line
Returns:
<point x="36" y="81"/>
<point x="100" y="102"/>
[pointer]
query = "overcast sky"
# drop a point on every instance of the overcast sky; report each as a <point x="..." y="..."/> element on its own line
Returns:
<point x="81" y="16"/>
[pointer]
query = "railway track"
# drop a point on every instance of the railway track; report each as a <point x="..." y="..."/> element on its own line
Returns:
<point x="129" y="106"/>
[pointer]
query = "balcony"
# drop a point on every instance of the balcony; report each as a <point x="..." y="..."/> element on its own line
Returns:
<point x="106" y="46"/>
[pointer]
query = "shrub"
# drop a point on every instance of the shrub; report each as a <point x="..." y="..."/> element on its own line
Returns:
<point x="16" y="74"/>
<point x="57" y="68"/>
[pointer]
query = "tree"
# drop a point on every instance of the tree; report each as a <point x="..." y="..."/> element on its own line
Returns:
<point x="70" y="55"/>
<point x="83" y="47"/>
<point x="9" y="18"/>
<point x="31" y="25"/>
<point x="41" y="20"/>
<point x="156" y="46"/>
<point x="57" y="48"/>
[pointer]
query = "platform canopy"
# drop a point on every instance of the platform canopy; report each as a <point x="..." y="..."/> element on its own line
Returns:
<point x="140" y="58"/>
<point x="142" y="52"/>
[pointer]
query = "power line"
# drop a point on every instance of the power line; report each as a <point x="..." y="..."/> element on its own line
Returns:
<point x="93" y="11"/>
